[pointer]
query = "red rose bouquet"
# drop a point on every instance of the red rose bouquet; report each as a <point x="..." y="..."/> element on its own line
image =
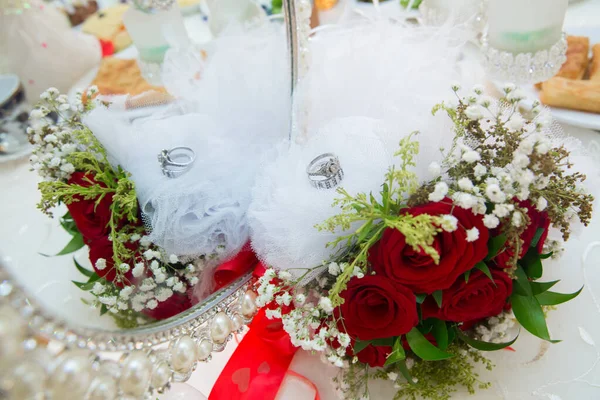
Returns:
<point x="131" y="278"/>
<point x="438" y="271"/>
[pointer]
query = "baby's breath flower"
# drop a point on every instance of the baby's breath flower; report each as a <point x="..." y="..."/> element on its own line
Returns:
<point x="439" y="192"/>
<point x="479" y="171"/>
<point x="325" y="305"/>
<point x="494" y="193"/>
<point x="541" y="203"/>
<point x="108" y="300"/>
<point x="490" y="221"/>
<point x="300" y="299"/>
<point x="515" y="123"/>
<point x="517" y="219"/>
<point x="474" y="112"/>
<point x="471" y="156"/>
<point x="435" y="169"/>
<point x="145" y="241"/>
<point x="152" y="304"/>
<point x="100" y="264"/>
<point x="98" y="288"/>
<point x="465" y="184"/>
<point x="472" y="234"/>
<point x="334" y="269"/>
<point x="163" y="293"/>
<point x="173" y="259"/>
<point x="126" y="292"/>
<point x="138" y="270"/>
<point x="449" y="223"/>
<point x="502" y="210"/>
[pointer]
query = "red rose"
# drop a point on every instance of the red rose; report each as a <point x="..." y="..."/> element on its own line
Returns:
<point x="537" y="220"/>
<point x="91" y="219"/>
<point x="479" y="298"/>
<point x="376" y="307"/>
<point x="170" y="307"/>
<point x="393" y="258"/>
<point x="375" y="356"/>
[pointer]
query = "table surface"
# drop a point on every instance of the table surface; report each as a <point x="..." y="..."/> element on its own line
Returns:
<point x="25" y="233"/>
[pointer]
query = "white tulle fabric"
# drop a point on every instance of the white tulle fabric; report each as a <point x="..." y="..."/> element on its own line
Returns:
<point x="237" y="110"/>
<point x="367" y="87"/>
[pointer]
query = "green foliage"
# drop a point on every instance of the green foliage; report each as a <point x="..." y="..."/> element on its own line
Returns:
<point x="276" y="6"/>
<point x="415" y="5"/>
<point x="439" y="380"/>
<point x="548" y="298"/>
<point x="372" y="217"/>
<point x="423" y="347"/>
<point x="528" y="311"/>
<point x="398" y="354"/>
<point x="480" y="345"/>
<point x="74" y="244"/>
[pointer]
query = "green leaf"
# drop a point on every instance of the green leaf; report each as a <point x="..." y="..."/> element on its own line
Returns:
<point x="451" y="336"/>
<point x="94" y="278"/>
<point x="383" y="342"/>
<point x="485" y="269"/>
<point x="405" y="372"/>
<point x="68" y="224"/>
<point x="440" y="333"/>
<point x="547" y="255"/>
<point x="87" y="286"/>
<point x="536" y="238"/>
<point x="420" y="298"/>
<point x="553" y="298"/>
<point x="423" y="347"/>
<point x="494" y="246"/>
<point x="437" y="296"/>
<point x="521" y="284"/>
<point x="541" y="287"/>
<point x="84" y="271"/>
<point x="385" y="195"/>
<point x="103" y="309"/>
<point x="532" y="264"/>
<point x="467" y="275"/>
<point x="364" y="231"/>
<point x="530" y="315"/>
<point x="484" y="346"/>
<point x="74" y="244"/>
<point x="397" y="353"/>
<point x="360" y="345"/>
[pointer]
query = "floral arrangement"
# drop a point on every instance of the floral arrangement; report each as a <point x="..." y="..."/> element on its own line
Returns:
<point x="132" y="279"/>
<point x="433" y="273"/>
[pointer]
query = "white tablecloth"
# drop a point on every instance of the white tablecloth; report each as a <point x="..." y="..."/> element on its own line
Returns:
<point x="25" y="232"/>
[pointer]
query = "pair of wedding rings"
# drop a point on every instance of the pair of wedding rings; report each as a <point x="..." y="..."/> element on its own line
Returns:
<point x="176" y="161"/>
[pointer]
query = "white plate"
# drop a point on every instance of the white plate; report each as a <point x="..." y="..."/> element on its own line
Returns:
<point x="579" y="27"/>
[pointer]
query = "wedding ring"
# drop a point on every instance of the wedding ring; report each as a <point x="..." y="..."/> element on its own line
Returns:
<point x="176" y="161"/>
<point x="325" y="171"/>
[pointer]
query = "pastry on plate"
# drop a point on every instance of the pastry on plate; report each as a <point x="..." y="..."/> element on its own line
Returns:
<point x="595" y="64"/>
<point x="583" y="95"/>
<point x="121" y="76"/>
<point x="107" y="24"/>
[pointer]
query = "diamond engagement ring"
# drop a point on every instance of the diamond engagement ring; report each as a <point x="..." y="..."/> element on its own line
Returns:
<point x="325" y="172"/>
<point x="176" y="161"/>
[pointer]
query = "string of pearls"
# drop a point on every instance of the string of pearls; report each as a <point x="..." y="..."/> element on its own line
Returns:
<point x="31" y="367"/>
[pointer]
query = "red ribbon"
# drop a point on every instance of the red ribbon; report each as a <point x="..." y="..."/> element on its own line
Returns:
<point x="256" y="369"/>
<point x="258" y="366"/>
<point x="231" y="270"/>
